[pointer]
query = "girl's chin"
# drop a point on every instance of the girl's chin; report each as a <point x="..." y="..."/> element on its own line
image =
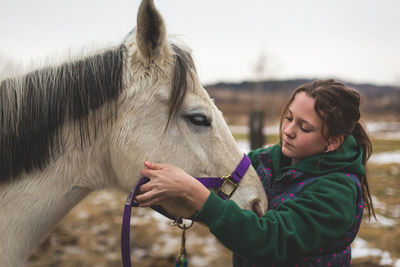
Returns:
<point x="287" y="152"/>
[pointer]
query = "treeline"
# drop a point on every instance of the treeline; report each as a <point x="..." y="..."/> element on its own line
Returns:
<point x="238" y="98"/>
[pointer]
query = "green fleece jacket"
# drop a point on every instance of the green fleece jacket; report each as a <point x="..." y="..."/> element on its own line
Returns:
<point x="322" y="213"/>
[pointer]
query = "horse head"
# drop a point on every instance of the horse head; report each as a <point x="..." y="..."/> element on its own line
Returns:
<point x="165" y="115"/>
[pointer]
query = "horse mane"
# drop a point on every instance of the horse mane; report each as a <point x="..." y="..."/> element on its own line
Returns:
<point x="34" y="107"/>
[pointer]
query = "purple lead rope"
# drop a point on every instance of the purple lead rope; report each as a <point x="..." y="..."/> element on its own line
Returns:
<point x="215" y="183"/>
<point x="126" y="221"/>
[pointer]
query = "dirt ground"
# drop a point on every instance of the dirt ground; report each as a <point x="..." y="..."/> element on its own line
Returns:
<point x="90" y="236"/>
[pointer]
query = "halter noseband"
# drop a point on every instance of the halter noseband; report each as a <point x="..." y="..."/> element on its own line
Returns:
<point x="224" y="186"/>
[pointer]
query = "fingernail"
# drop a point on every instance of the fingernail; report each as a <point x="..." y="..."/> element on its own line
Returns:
<point x="147" y="163"/>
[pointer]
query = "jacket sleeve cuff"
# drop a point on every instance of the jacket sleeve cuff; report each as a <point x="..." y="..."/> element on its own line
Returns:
<point x="211" y="209"/>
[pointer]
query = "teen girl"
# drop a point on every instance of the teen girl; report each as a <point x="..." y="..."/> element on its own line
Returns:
<point x="314" y="178"/>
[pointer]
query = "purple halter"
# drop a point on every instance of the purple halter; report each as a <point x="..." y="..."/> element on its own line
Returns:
<point x="219" y="184"/>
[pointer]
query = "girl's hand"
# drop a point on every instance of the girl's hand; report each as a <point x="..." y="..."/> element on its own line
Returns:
<point x="168" y="181"/>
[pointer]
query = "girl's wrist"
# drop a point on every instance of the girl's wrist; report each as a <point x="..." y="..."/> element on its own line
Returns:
<point x="197" y="195"/>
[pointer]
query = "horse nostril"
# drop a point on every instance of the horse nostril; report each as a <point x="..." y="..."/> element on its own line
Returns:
<point x="256" y="207"/>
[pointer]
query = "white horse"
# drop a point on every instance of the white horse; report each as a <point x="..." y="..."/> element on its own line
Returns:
<point x="89" y="124"/>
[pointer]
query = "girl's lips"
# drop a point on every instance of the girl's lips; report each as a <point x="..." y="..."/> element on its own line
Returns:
<point x="287" y="144"/>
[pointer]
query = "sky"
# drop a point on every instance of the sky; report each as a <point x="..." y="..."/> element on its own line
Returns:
<point x="350" y="40"/>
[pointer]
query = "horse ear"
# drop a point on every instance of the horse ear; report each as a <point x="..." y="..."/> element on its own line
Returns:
<point x="150" y="32"/>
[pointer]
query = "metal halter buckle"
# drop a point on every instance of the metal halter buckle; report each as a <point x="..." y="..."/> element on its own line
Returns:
<point x="233" y="184"/>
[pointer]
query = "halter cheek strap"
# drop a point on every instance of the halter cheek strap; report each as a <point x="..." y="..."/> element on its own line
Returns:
<point x="224" y="186"/>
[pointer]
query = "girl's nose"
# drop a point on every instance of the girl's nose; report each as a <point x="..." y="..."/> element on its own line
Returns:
<point x="289" y="130"/>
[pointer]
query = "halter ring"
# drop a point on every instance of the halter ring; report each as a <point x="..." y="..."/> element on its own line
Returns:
<point x="232" y="185"/>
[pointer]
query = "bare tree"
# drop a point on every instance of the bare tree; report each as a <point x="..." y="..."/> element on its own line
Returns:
<point x="256" y="117"/>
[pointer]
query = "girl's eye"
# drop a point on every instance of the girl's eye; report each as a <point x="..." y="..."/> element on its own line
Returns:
<point x="198" y="120"/>
<point x="304" y="130"/>
<point x="288" y="118"/>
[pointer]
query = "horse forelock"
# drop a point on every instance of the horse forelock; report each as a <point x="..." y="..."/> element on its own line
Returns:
<point x="184" y="71"/>
<point x="34" y="107"/>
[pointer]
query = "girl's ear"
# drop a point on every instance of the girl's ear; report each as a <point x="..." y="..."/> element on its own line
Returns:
<point x="334" y="142"/>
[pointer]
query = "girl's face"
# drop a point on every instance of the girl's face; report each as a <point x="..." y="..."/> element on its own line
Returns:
<point x="301" y="129"/>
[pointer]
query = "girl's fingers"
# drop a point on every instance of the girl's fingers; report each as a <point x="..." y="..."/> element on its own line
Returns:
<point x="144" y="172"/>
<point x="147" y="199"/>
<point x="148" y="173"/>
<point x="142" y="198"/>
<point x="152" y="169"/>
<point x="145" y="188"/>
<point x="154" y="166"/>
<point x="149" y="203"/>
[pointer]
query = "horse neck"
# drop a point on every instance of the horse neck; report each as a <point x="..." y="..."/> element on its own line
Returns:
<point x="34" y="203"/>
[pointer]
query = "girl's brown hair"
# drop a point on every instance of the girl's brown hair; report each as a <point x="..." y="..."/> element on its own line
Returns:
<point x="339" y="108"/>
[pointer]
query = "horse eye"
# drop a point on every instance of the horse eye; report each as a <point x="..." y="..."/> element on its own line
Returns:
<point x="198" y="119"/>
